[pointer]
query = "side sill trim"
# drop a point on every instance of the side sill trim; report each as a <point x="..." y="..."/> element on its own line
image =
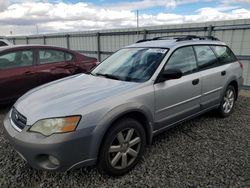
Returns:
<point x="184" y="119"/>
<point x="212" y="91"/>
<point x="180" y="103"/>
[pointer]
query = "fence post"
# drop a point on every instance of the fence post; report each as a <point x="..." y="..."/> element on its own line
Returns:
<point x="27" y="40"/>
<point x="145" y="34"/>
<point x="98" y="46"/>
<point x="210" y="30"/>
<point x="44" y="40"/>
<point x="67" y="40"/>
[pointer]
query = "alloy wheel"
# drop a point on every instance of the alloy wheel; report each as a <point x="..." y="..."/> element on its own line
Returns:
<point x="228" y="101"/>
<point x="124" y="149"/>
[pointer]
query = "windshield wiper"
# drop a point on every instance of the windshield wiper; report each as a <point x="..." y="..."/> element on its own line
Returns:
<point x="110" y="76"/>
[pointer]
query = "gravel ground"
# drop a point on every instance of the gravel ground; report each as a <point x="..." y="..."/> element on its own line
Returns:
<point x="205" y="152"/>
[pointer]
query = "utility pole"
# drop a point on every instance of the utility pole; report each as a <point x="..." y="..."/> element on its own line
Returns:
<point x="37" y="30"/>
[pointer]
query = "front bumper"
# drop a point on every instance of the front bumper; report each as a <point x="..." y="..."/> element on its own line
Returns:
<point x="56" y="152"/>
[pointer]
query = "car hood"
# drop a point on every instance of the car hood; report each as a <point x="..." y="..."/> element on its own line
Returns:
<point x="65" y="96"/>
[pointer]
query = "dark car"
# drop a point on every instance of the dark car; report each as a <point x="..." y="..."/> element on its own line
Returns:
<point x="25" y="67"/>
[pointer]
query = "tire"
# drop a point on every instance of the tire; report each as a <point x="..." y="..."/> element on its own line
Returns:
<point x="122" y="147"/>
<point x="227" y="102"/>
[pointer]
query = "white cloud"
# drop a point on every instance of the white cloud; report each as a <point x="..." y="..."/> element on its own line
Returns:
<point x="22" y="17"/>
<point x="236" y="1"/>
<point x="3" y="4"/>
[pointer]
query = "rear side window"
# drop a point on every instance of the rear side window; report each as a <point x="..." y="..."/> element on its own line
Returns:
<point x="205" y="57"/>
<point x="182" y="59"/>
<point x="16" y="59"/>
<point x="225" y="55"/>
<point x="68" y="57"/>
<point x="51" y="56"/>
<point x="54" y="56"/>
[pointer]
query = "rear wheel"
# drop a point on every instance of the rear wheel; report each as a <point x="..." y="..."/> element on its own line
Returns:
<point x="122" y="148"/>
<point x="227" y="102"/>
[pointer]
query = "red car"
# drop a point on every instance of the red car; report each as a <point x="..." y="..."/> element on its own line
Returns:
<point x="25" y="67"/>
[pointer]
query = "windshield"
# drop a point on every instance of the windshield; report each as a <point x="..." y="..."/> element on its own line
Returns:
<point x="131" y="64"/>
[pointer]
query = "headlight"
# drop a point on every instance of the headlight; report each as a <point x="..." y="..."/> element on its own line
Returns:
<point x="56" y="125"/>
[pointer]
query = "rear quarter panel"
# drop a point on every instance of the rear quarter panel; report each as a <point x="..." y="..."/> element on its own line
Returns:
<point x="85" y="63"/>
<point x="234" y="73"/>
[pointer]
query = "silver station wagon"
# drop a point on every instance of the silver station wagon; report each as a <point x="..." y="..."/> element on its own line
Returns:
<point x="107" y="117"/>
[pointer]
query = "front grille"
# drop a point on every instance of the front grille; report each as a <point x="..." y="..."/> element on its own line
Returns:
<point x="18" y="119"/>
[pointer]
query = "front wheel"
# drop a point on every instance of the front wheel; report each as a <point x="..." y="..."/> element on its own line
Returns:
<point x="227" y="102"/>
<point x="122" y="147"/>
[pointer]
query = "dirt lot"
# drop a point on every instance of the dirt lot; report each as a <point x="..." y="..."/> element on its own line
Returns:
<point x="205" y="152"/>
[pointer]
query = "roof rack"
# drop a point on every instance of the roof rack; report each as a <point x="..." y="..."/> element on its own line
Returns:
<point x="194" y="37"/>
<point x="182" y="38"/>
<point x="143" y="40"/>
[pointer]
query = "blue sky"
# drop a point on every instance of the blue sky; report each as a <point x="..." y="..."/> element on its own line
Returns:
<point x="49" y="16"/>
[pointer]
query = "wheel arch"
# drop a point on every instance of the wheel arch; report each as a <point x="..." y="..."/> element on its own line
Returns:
<point x="139" y="114"/>
<point x="235" y="84"/>
<point x="231" y="81"/>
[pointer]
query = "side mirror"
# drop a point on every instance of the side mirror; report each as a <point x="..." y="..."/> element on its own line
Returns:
<point x="170" y="74"/>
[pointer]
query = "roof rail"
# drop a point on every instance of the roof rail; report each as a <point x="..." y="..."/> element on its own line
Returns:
<point x="173" y="37"/>
<point x="143" y="40"/>
<point x="182" y="38"/>
<point x="193" y="37"/>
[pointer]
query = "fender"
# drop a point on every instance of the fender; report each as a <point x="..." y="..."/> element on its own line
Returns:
<point x="114" y="114"/>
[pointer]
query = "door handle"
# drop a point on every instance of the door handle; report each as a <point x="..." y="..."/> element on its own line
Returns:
<point x="223" y="73"/>
<point x="28" y="73"/>
<point x="196" y="81"/>
<point x="54" y="68"/>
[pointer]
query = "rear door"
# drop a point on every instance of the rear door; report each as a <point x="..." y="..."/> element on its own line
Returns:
<point x="17" y="73"/>
<point x="54" y="64"/>
<point x="213" y="77"/>
<point x="179" y="98"/>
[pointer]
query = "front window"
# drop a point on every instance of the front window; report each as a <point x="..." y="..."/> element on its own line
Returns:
<point x="183" y="59"/>
<point x="131" y="64"/>
<point x="22" y="58"/>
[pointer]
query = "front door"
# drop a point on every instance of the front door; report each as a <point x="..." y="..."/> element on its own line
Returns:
<point x="17" y="74"/>
<point x="178" y="99"/>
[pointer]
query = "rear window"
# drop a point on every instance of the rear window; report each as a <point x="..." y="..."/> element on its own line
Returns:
<point x="224" y="54"/>
<point x="206" y="57"/>
<point x="53" y="56"/>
